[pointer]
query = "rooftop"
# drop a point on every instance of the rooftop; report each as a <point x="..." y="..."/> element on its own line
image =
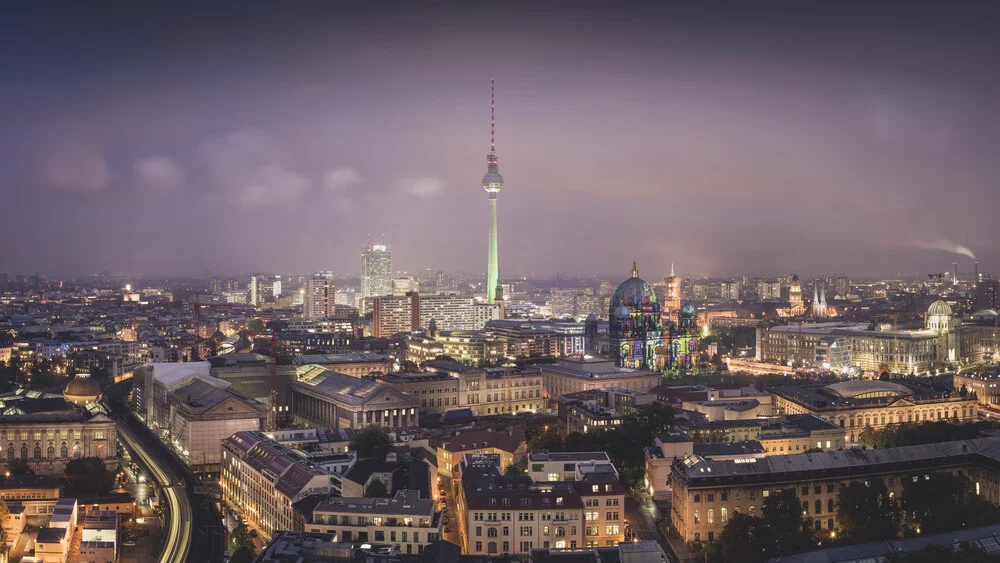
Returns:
<point x="347" y="358"/>
<point x="545" y="455"/>
<point x="795" y="466"/>
<point x="592" y="368"/>
<point x="405" y="502"/>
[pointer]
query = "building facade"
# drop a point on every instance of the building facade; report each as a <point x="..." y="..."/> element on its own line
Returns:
<point x="376" y="271"/>
<point x="261" y="479"/>
<point x="405" y="521"/>
<point x="856" y="405"/>
<point x="329" y="399"/>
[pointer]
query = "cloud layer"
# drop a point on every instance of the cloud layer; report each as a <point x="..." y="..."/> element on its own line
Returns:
<point x="159" y="173"/>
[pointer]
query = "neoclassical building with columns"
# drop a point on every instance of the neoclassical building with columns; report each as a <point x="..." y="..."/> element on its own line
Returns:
<point x="854" y="405"/>
<point x="329" y="399"/>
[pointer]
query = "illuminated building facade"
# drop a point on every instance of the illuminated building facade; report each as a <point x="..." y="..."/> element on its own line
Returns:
<point x="376" y="271"/>
<point x="634" y="326"/>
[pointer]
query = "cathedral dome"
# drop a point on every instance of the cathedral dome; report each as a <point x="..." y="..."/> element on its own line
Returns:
<point x="82" y="389"/>
<point x="939" y="307"/>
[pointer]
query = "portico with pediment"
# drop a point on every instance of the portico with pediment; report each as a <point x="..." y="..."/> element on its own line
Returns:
<point x="329" y="399"/>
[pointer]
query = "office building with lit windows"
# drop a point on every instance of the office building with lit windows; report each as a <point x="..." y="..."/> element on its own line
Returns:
<point x="500" y="515"/>
<point x="261" y="480"/>
<point x="405" y="521"/>
<point x="707" y="493"/>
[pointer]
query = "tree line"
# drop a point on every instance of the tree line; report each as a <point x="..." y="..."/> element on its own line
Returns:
<point x="866" y="512"/>
<point x="624" y="444"/>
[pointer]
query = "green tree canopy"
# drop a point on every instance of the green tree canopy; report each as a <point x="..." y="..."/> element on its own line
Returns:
<point x="783" y="514"/>
<point x="578" y="442"/>
<point x="376" y="489"/>
<point x="371" y="441"/>
<point x="514" y="471"/>
<point x="866" y="513"/>
<point x="241" y="540"/>
<point x="943" y="502"/>
<point x="747" y="539"/>
<point x="550" y="440"/>
<point x="89" y="475"/>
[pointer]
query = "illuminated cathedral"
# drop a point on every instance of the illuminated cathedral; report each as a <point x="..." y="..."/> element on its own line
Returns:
<point x="638" y="337"/>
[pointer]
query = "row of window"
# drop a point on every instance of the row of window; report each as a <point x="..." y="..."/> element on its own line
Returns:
<point x="50" y="452"/>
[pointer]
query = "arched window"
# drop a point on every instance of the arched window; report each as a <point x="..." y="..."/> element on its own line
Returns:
<point x="724" y="514"/>
<point x="76" y="450"/>
<point x="491" y="532"/>
<point x="491" y="547"/>
<point x="697" y="516"/>
<point x="51" y="452"/>
<point x="10" y="452"/>
<point x="711" y="516"/>
<point x="63" y="451"/>
<point x="38" y="452"/>
<point x="24" y="451"/>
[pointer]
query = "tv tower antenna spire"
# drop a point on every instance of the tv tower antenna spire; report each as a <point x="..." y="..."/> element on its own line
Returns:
<point x="493" y="121"/>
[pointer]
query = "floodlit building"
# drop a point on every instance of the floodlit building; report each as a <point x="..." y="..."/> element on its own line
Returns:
<point x="261" y="479"/>
<point x="855" y="405"/>
<point x="551" y="467"/>
<point x="570" y="375"/>
<point x="329" y="399"/>
<point x="45" y="430"/>
<point x="509" y="447"/>
<point x="191" y="411"/>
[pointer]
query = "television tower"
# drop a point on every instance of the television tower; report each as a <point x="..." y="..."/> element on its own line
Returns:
<point x="492" y="184"/>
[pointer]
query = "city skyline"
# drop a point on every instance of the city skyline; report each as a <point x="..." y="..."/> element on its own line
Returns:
<point x="723" y="141"/>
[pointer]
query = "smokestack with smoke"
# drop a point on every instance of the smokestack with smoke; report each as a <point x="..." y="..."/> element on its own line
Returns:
<point x="945" y="245"/>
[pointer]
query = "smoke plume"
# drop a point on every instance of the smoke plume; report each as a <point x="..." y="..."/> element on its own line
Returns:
<point x="945" y="245"/>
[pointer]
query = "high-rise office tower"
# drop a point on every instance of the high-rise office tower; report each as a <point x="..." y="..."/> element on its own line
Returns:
<point x="276" y="287"/>
<point x="376" y="271"/>
<point x="492" y="184"/>
<point x="319" y="300"/>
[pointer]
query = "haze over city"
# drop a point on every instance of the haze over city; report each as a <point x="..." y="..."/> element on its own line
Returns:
<point x="148" y="140"/>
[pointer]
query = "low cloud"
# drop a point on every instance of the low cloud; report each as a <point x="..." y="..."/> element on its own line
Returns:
<point x="340" y="178"/>
<point x="75" y="170"/>
<point x="273" y="186"/>
<point x="159" y="173"/>
<point x="249" y="167"/>
<point x="423" y="187"/>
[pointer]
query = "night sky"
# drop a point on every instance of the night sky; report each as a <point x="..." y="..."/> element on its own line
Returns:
<point x="277" y="137"/>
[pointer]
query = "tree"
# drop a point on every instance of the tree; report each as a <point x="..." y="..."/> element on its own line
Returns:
<point x="376" y="489"/>
<point x="747" y="539"/>
<point x="241" y="540"/>
<point x="89" y="475"/>
<point x="550" y="441"/>
<point x="371" y="441"/>
<point x="514" y="471"/>
<point x="944" y="502"/>
<point x="783" y="515"/>
<point x="653" y="419"/>
<point x="577" y="442"/>
<point x="866" y="513"/>
<point x="20" y="467"/>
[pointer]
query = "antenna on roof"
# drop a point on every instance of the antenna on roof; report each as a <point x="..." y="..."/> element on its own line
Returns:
<point x="492" y="118"/>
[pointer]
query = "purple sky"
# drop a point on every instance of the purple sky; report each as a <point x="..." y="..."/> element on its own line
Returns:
<point x="846" y="140"/>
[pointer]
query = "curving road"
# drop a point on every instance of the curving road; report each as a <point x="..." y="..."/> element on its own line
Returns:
<point x="177" y="544"/>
